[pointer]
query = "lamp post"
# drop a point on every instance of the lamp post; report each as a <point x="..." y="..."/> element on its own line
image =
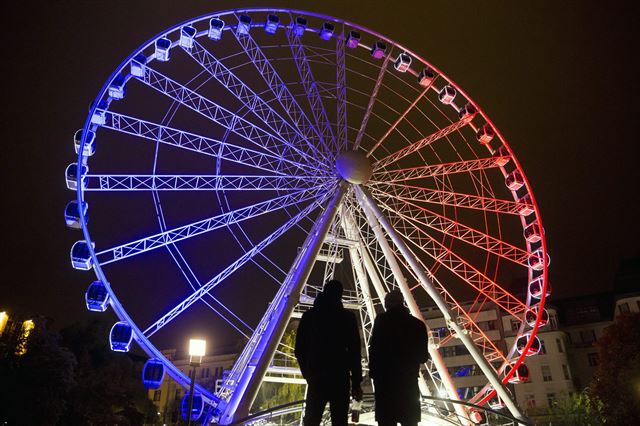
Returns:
<point x="197" y="349"/>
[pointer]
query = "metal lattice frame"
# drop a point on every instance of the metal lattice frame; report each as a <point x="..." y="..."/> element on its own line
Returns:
<point x="274" y="111"/>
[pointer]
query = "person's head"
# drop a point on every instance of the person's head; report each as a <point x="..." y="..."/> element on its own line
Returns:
<point x="332" y="293"/>
<point x="393" y="299"/>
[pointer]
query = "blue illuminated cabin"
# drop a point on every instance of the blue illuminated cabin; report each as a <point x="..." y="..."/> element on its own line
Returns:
<point x="447" y="94"/>
<point x="353" y="39"/>
<point x="532" y="314"/>
<point x="244" y="24"/>
<point x="99" y="116"/>
<point x="326" y="32"/>
<point x="403" y="62"/>
<point x="532" y="233"/>
<point x="378" y="49"/>
<point x="117" y="87"/>
<point x="535" y="288"/>
<point x="520" y="375"/>
<point x="514" y="180"/>
<point x="522" y="341"/>
<point x="138" y="65"/>
<point x="216" y="26"/>
<point x="271" y="24"/>
<point x="485" y="134"/>
<point x="121" y="337"/>
<point x="97" y="297"/>
<point x="71" y="175"/>
<point x="152" y="373"/>
<point x="163" y="47"/>
<point x="300" y="26"/>
<point x="425" y="77"/>
<point x="187" y="33"/>
<point x="466" y="111"/>
<point x="198" y="406"/>
<point x="90" y="144"/>
<point x="81" y="256"/>
<point x="72" y="214"/>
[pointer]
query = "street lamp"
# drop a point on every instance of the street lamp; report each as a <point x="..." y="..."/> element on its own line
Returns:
<point x="197" y="349"/>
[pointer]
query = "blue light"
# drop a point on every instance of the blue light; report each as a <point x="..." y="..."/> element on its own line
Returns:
<point x="378" y="49"/>
<point x="187" y="33"/>
<point x="89" y="146"/>
<point x="72" y="214"/>
<point x="138" y="65"/>
<point x="97" y="297"/>
<point x="71" y="174"/>
<point x="81" y="256"/>
<point x="163" y="46"/>
<point x="198" y="406"/>
<point x="117" y="89"/>
<point x="244" y="24"/>
<point x="153" y="374"/>
<point x="300" y="26"/>
<point x="327" y="31"/>
<point x="120" y="337"/>
<point x="272" y="24"/>
<point x="215" y="29"/>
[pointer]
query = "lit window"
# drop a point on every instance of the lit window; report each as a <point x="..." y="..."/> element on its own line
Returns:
<point x="593" y="359"/>
<point x="559" y="343"/>
<point x="624" y="308"/>
<point x="546" y="373"/>
<point x="531" y="401"/>
<point x="543" y="349"/>
<point x="565" y="371"/>
<point x="515" y="325"/>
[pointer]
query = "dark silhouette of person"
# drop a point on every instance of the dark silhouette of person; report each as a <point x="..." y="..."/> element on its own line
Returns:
<point x="328" y="351"/>
<point x="398" y="345"/>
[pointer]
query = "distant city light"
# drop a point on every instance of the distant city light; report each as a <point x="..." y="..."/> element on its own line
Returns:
<point x="27" y="327"/>
<point x="4" y="318"/>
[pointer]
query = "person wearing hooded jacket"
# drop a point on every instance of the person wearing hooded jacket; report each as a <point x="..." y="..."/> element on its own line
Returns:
<point x="328" y="352"/>
<point x="398" y="345"/>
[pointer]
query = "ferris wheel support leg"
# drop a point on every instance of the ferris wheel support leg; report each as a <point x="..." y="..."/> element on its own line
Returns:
<point x="266" y="339"/>
<point x="369" y="205"/>
<point x="411" y="301"/>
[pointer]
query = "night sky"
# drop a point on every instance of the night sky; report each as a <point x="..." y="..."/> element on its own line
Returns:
<point x="559" y="79"/>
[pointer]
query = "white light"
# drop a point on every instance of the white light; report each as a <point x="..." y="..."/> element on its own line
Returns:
<point x="197" y="347"/>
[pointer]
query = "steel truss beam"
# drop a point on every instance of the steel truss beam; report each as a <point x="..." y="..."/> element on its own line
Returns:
<point x="341" y="93"/>
<point x="202" y="144"/>
<point x="389" y="176"/>
<point x="418" y="145"/>
<point x="448" y="198"/>
<point x="422" y="216"/>
<point x="215" y="281"/>
<point x="97" y="182"/>
<point x="282" y="92"/>
<point x="240" y="388"/>
<point x="403" y="285"/>
<point x="311" y="88"/>
<point x="252" y="101"/>
<point x="171" y="236"/>
<point x="272" y="144"/>
<point x="369" y="205"/>
<point x="441" y="254"/>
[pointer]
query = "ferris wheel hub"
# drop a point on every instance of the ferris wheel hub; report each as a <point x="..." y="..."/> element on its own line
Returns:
<point x="354" y="167"/>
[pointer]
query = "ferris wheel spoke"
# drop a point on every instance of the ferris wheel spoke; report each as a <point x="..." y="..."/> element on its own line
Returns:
<point x="191" y="230"/>
<point x="449" y="198"/>
<point x="282" y="93"/>
<point x="372" y="101"/>
<point x="105" y="182"/>
<point x="421" y="172"/>
<point x="246" y="257"/>
<point x="420" y="144"/>
<point x="454" y="263"/>
<point x="311" y="89"/>
<point x="341" y="92"/>
<point x="250" y="100"/>
<point x="202" y="144"/>
<point x="215" y="112"/>
<point x="421" y="216"/>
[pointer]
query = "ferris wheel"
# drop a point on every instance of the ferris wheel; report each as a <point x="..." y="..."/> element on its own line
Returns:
<point x="237" y="161"/>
